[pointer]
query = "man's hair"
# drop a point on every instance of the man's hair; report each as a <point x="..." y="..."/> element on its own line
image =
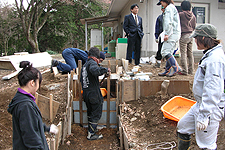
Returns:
<point x="94" y="51"/>
<point x="168" y="1"/>
<point x="132" y="6"/>
<point x="186" y="5"/>
<point x="207" y="42"/>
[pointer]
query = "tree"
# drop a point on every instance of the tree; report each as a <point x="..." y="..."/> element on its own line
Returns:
<point x="64" y="25"/>
<point x="32" y="19"/>
<point x="8" y="22"/>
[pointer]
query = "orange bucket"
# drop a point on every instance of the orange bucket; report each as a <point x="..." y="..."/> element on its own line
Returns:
<point x="176" y="107"/>
<point x="103" y="91"/>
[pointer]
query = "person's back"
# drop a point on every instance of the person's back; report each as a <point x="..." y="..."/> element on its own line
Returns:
<point x="91" y="91"/>
<point x="171" y="23"/>
<point x="159" y="26"/>
<point x="78" y="54"/>
<point x="187" y="21"/>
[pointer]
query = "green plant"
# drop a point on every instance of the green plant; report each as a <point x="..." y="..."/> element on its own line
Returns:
<point x="50" y="52"/>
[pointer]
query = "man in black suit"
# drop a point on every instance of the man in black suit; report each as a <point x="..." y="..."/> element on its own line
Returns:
<point x="134" y="31"/>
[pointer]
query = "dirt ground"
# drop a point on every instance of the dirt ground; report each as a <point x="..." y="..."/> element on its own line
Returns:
<point x="149" y="128"/>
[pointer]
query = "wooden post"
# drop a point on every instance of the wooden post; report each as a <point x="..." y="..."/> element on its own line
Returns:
<point x="72" y="83"/>
<point x="36" y="96"/>
<point x="79" y="90"/>
<point x="117" y="97"/>
<point x="117" y="104"/>
<point x="69" y="120"/>
<point x="121" y="138"/>
<point x="52" y="144"/>
<point x="108" y="98"/>
<point x="51" y="107"/>
<point x="59" y="135"/>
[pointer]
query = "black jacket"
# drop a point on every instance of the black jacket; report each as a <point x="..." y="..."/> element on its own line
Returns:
<point x="131" y="28"/>
<point x="159" y="26"/>
<point x="89" y="75"/>
<point x="28" y="128"/>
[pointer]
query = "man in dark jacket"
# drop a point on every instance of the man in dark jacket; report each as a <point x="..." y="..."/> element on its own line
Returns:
<point x="188" y="23"/>
<point x="91" y="91"/>
<point x="158" y="31"/>
<point x="134" y="31"/>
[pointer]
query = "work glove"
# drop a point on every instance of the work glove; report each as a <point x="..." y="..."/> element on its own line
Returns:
<point x="109" y="70"/>
<point x="54" y="129"/>
<point x="202" y="126"/>
<point x="108" y="73"/>
<point x="157" y="40"/>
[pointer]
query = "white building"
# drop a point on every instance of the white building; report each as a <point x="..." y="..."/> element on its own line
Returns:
<point x="206" y="11"/>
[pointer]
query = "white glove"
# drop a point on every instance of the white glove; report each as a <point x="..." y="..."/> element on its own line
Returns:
<point x="54" y="129"/>
<point x="157" y="40"/>
<point x="202" y="126"/>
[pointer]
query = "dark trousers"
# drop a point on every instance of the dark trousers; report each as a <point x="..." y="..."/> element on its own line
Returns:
<point x="94" y="102"/>
<point x="158" y="54"/>
<point x="134" y="44"/>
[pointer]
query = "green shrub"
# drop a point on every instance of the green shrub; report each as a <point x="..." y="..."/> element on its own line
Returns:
<point x="51" y="52"/>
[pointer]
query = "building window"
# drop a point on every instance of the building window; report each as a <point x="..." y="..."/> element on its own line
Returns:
<point x="221" y="4"/>
<point x="200" y="11"/>
<point x="199" y="14"/>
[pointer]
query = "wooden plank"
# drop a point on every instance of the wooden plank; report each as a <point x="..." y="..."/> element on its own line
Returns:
<point x="136" y="90"/>
<point x="117" y="98"/>
<point x="125" y="139"/>
<point x="69" y="120"/>
<point x="121" y="138"/>
<point x="52" y="144"/>
<point x="79" y="90"/>
<point x="179" y="87"/>
<point x="148" y="88"/>
<point x="9" y="76"/>
<point x="65" y="127"/>
<point x="68" y="86"/>
<point x="76" y="88"/>
<point x="59" y="135"/>
<point x="121" y="134"/>
<point x="72" y="87"/>
<point x="55" y="71"/>
<point x="51" y="107"/>
<point x="7" y="64"/>
<point x="114" y="63"/>
<point x="68" y="81"/>
<point x="71" y="112"/>
<point x="108" y="99"/>
<point x="129" y="90"/>
<point x="122" y="91"/>
<point x="44" y="106"/>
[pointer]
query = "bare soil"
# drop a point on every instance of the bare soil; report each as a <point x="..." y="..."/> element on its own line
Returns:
<point x="150" y="127"/>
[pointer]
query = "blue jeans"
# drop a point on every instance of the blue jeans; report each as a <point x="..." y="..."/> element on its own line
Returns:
<point x="71" y="56"/>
